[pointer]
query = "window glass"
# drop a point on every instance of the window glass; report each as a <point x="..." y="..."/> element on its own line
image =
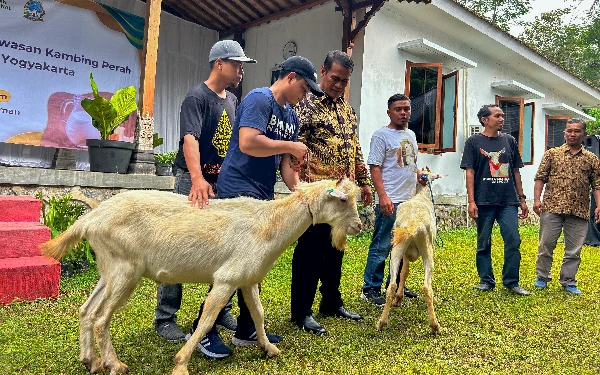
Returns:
<point x="527" y="153"/>
<point x="423" y="96"/>
<point x="556" y="127"/>
<point x="449" y="112"/>
<point x="512" y="120"/>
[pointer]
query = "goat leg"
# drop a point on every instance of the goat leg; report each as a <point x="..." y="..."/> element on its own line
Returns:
<point x="403" y="276"/>
<point x="252" y="299"/>
<point x="216" y="299"/>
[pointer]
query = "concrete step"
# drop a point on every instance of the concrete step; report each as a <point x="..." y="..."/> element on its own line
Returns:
<point x="19" y="240"/>
<point x="28" y="278"/>
<point x="20" y="209"/>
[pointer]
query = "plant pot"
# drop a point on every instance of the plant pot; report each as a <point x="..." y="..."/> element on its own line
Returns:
<point x="164" y="169"/>
<point x="109" y="156"/>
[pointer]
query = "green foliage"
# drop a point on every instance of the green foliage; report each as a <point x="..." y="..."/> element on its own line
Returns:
<point x="156" y="141"/>
<point x="574" y="46"/>
<point x="593" y="127"/>
<point x="496" y="333"/>
<point x="166" y="157"/>
<point x="108" y="115"/>
<point x="59" y="214"/>
<point x="502" y="13"/>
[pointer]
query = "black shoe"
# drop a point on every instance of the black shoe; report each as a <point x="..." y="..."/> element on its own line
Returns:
<point x="170" y="331"/>
<point x="341" y="312"/>
<point x="373" y="296"/>
<point x="247" y="337"/>
<point x="409" y="294"/>
<point x="484" y="287"/>
<point x="309" y="324"/>
<point x="227" y="321"/>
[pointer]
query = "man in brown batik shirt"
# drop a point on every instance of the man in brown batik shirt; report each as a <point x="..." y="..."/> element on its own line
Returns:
<point x="328" y="128"/>
<point x="568" y="172"/>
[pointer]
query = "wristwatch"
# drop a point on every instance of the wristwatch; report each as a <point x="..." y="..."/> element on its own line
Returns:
<point x="522" y="196"/>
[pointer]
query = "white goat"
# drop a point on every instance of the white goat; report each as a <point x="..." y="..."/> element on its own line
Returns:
<point x="231" y="243"/>
<point x="414" y="236"/>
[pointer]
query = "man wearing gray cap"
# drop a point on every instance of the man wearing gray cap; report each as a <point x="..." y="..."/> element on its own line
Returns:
<point x="206" y="118"/>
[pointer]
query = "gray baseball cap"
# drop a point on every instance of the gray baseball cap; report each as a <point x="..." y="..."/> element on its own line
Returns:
<point x="228" y="49"/>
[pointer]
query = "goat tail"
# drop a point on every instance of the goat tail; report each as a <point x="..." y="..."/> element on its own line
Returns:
<point x="401" y="235"/>
<point x="59" y="246"/>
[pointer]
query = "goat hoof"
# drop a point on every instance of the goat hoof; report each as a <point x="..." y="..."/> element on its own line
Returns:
<point x="180" y="370"/>
<point x="271" y="350"/>
<point x="397" y="302"/>
<point x="436" y="330"/>
<point x="119" y="368"/>
<point x="93" y="366"/>
<point x="380" y="325"/>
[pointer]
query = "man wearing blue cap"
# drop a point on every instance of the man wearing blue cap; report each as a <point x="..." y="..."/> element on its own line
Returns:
<point x="207" y="113"/>
<point x="264" y="139"/>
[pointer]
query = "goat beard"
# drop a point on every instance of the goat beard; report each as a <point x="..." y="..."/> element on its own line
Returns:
<point x="338" y="238"/>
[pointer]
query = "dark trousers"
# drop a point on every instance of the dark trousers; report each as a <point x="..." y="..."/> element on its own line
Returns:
<point x="315" y="259"/>
<point x="508" y="220"/>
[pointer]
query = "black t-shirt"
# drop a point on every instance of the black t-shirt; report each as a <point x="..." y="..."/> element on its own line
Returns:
<point x="493" y="159"/>
<point x="209" y="118"/>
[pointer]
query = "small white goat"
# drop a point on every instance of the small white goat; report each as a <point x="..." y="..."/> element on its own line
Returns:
<point x="414" y="236"/>
<point x="231" y="243"/>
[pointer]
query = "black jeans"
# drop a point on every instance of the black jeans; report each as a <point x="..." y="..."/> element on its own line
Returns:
<point x="315" y="259"/>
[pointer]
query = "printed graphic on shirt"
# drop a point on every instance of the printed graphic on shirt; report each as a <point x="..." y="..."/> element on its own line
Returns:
<point x="407" y="157"/>
<point x="281" y="129"/>
<point x="222" y="134"/>
<point x="498" y="169"/>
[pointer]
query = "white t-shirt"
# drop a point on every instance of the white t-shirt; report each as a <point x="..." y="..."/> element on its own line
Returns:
<point x="395" y="151"/>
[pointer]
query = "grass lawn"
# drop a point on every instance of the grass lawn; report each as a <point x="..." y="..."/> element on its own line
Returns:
<point x="549" y="332"/>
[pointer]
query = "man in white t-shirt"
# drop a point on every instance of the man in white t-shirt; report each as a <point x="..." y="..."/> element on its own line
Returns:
<point x="393" y="163"/>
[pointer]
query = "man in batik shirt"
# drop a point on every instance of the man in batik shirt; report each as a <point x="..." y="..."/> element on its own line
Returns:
<point x="328" y="128"/>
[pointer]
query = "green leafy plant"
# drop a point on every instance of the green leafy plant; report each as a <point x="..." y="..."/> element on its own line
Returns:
<point x="166" y="157"/>
<point x="59" y="214"/>
<point x="107" y="115"/>
<point x="156" y="141"/>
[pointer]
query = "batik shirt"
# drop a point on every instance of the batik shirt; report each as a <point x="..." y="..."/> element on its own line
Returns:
<point x="568" y="179"/>
<point x="328" y="128"/>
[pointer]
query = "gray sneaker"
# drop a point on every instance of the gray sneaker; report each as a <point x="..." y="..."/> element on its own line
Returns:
<point x="518" y="290"/>
<point x="170" y="331"/>
<point x="227" y="321"/>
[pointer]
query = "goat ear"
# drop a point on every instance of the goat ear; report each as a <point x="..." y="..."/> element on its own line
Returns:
<point x="338" y="194"/>
<point x="427" y="168"/>
<point x="339" y="181"/>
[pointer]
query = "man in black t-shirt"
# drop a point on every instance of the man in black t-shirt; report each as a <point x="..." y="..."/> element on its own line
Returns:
<point x="206" y="118"/>
<point x="494" y="189"/>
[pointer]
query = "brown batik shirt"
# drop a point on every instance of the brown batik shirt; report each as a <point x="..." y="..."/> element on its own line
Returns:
<point x="328" y="128"/>
<point x="568" y="179"/>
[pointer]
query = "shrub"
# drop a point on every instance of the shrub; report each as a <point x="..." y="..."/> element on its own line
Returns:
<point x="59" y="214"/>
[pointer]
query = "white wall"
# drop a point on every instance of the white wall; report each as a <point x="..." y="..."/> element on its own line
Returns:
<point x="384" y="73"/>
<point x="183" y="49"/>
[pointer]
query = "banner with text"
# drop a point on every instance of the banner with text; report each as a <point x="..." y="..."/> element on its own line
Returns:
<point x="47" y="52"/>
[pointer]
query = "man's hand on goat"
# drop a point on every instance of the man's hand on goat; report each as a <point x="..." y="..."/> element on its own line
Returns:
<point x="366" y="195"/>
<point x="473" y="211"/>
<point x="386" y="205"/>
<point x="200" y="192"/>
<point x="524" y="210"/>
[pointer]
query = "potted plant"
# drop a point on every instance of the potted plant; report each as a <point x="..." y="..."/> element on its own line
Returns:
<point x="164" y="163"/>
<point x="106" y="154"/>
